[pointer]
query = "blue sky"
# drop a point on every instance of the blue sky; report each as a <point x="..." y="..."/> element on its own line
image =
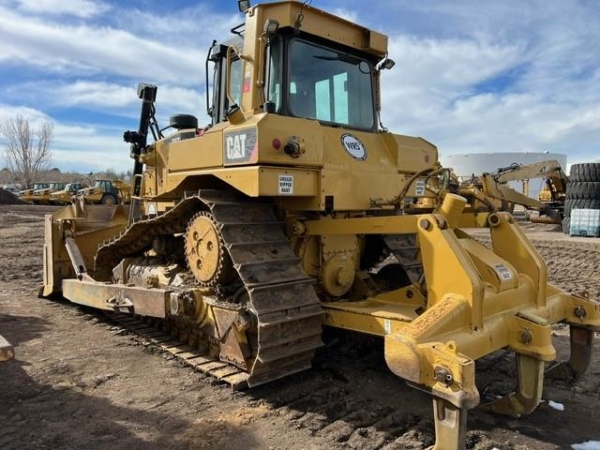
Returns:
<point x="470" y="75"/>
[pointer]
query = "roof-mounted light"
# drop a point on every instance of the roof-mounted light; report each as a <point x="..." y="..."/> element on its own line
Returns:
<point x="244" y="5"/>
<point x="271" y="26"/>
<point x="387" y="64"/>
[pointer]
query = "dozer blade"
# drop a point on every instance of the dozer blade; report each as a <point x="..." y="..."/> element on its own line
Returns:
<point x="72" y="236"/>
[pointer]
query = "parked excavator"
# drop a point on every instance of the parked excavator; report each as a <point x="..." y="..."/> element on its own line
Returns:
<point x="491" y="190"/>
<point x="249" y="235"/>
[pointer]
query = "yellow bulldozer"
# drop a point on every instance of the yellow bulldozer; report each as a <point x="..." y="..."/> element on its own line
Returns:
<point x="248" y="236"/>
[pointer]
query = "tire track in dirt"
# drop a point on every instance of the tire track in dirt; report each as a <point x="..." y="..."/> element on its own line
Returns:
<point x="573" y="265"/>
<point x="349" y="400"/>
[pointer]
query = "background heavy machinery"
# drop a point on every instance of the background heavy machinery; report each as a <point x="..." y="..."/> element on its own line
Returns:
<point x="249" y="235"/>
<point x="491" y="190"/>
<point x="42" y="196"/>
<point x="26" y="195"/>
<point x="64" y="196"/>
<point x="106" y="192"/>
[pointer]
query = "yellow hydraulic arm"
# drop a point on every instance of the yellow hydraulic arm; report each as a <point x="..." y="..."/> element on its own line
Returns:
<point x="551" y="170"/>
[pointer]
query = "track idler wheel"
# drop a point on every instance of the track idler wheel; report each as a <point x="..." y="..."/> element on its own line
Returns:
<point x="205" y="251"/>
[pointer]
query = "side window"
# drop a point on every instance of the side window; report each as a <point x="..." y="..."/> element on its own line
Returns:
<point x="220" y="100"/>
<point x="274" y="73"/>
<point x="236" y="81"/>
<point x="215" y="108"/>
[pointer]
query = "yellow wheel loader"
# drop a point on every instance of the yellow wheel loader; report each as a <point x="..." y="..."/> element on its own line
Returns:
<point x="42" y="196"/>
<point x="64" y="196"/>
<point x="287" y="213"/>
<point x="106" y="192"/>
<point x="26" y="195"/>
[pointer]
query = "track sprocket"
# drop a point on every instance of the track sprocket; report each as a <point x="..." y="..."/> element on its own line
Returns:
<point x="205" y="251"/>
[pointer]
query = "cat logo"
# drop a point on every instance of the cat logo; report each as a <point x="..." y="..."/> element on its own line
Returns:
<point x="235" y="146"/>
<point x="240" y="146"/>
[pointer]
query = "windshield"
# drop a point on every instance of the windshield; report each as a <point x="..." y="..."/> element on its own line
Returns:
<point x="98" y="183"/>
<point x="330" y="86"/>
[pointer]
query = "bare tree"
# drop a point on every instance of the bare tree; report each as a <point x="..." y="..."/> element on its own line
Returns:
<point x="26" y="150"/>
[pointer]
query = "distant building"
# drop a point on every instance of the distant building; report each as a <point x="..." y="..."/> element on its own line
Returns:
<point x="465" y="165"/>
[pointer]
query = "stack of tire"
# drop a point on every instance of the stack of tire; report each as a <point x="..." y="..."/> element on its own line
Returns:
<point x="583" y="190"/>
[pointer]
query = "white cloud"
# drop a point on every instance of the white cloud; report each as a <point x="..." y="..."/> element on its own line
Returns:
<point x="88" y="50"/>
<point x="75" y="145"/>
<point x="181" y="26"/>
<point x="431" y="75"/>
<point x="471" y="76"/>
<point x="528" y="84"/>
<point x="34" y="116"/>
<point x="90" y="94"/>
<point x="86" y="161"/>
<point x="89" y="148"/>
<point x="110" y="98"/>
<point x="78" y="8"/>
<point x="344" y="13"/>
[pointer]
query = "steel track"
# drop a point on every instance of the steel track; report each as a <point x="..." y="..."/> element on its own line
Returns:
<point x="281" y="297"/>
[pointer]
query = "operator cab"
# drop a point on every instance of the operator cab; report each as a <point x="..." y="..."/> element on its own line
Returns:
<point x="104" y="184"/>
<point x="305" y="76"/>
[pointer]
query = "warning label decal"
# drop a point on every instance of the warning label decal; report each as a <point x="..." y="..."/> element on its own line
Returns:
<point x="503" y="272"/>
<point x="286" y="184"/>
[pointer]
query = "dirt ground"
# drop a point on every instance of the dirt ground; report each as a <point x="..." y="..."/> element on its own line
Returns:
<point x="80" y="381"/>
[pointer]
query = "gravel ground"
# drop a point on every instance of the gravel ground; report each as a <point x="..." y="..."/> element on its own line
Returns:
<point x="79" y="381"/>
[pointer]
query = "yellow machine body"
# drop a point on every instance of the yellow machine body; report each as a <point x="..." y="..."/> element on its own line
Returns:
<point x="42" y="196"/>
<point x="106" y="192"/>
<point x="26" y="195"/>
<point x="248" y="236"/>
<point x="490" y="191"/>
<point x="64" y="196"/>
